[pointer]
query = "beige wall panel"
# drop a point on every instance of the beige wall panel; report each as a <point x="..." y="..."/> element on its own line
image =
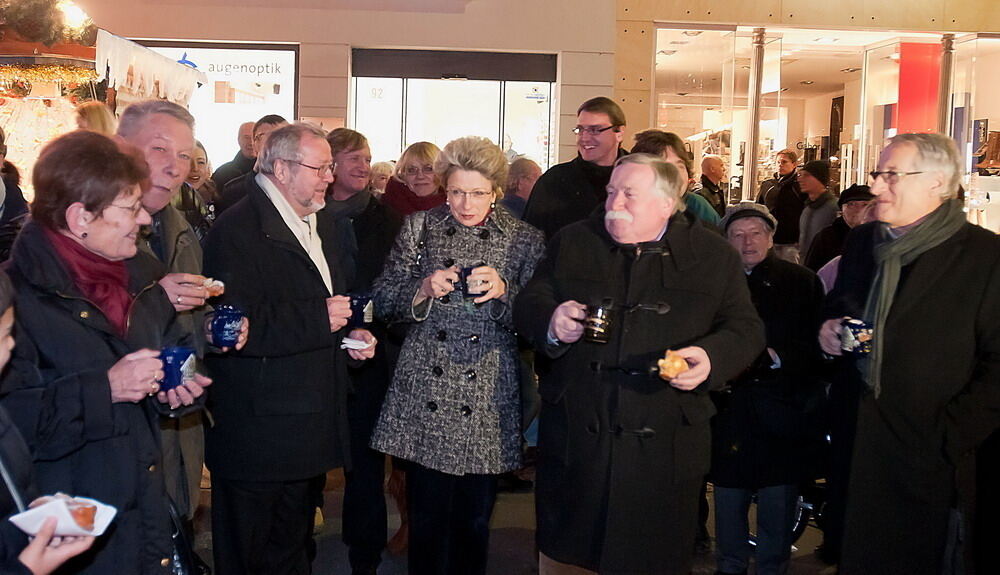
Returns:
<point x="323" y="92"/>
<point x="586" y="67"/>
<point x="972" y="15"/>
<point x="636" y="9"/>
<point x="908" y="14"/>
<point x="638" y="112"/>
<point x="741" y="11"/>
<point x="634" y="55"/>
<point x="571" y="96"/>
<point x="841" y="13"/>
<point x="324" y="59"/>
<point x="566" y="153"/>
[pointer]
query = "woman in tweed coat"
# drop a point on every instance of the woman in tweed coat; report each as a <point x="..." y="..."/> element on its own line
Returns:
<point x="453" y="409"/>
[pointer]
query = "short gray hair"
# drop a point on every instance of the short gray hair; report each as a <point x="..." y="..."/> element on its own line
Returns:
<point x="667" y="178"/>
<point x="135" y="114"/>
<point x="936" y="153"/>
<point x="285" y="143"/>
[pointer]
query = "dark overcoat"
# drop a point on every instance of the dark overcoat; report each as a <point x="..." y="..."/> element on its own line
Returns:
<point x="567" y="193"/>
<point x="767" y="427"/>
<point x="17" y="462"/>
<point x="940" y="398"/>
<point x="57" y="392"/>
<point x="622" y="454"/>
<point x="278" y="403"/>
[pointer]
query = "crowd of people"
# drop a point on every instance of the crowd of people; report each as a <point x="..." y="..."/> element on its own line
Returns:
<point x="419" y="313"/>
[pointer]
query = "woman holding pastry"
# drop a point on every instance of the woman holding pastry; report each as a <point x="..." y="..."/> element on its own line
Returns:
<point x="453" y="409"/>
<point x="84" y="384"/>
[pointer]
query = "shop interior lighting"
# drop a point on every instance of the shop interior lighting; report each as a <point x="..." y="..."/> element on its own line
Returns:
<point x="850" y="70"/>
<point x="692" y="32"/>
<point x="807" y="82"/>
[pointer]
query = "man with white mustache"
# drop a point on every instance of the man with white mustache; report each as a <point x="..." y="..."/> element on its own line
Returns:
<point x="622" y="451"/>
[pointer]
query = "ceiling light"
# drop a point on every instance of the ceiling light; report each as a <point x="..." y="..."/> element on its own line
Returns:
<point x="783" y="90"/>
<point x="826" y="40"/>
<point x="679" y="42"/>
<point x="807" y="82"/>
<point x="667" y="52"/>
<point x="850" y="70"/>
<point x="692" y="32"/>
<point x="683" y="93"/>
<point x="894" y="56"/>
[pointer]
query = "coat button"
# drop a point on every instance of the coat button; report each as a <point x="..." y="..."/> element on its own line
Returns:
<point x="165" y="562"/>
<point x="466" y="410"/>
<point x="442" y="335"/>
<point x="474" y="338"/>
<point x="449" y="232"/>
<point x="593" y="428"/>
<point x="438" y="371"/>
<point x="448" y="262"/>
<point x="470" y="375"/>
<point x="432" y="406"/>
<point x="484" y="235"/>
<point x="151" y="468"/>
<point x="84" y="314"/>
<point x="445" y="298"/>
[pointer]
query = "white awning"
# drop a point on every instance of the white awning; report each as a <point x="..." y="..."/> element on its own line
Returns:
<point x="140" y="71"/>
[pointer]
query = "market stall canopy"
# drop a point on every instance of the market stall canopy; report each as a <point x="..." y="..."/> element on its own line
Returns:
<point x="142" y="73"/>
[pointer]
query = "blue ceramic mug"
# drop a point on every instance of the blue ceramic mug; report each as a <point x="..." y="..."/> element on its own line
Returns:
<point x="226" y="325"/>
<point x="362" y="310"/>
<point x="178" y="366"/>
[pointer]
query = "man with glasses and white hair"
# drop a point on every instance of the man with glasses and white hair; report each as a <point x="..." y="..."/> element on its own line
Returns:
<point x="280" y="417"/>
<point x="568" y="192"/>
<point x="927" y="282"/>
<point x="623" y="450"/>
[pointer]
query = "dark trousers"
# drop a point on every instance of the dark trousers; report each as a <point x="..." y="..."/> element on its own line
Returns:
<point x="776" y="506"/>
<point x="262" y="527"/>
<point x="844" y="397"/>
<point x="364" y="517"/>
<point x="449" y="521"/>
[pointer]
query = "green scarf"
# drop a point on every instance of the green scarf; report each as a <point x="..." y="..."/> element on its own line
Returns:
<point x="890" y="257"/>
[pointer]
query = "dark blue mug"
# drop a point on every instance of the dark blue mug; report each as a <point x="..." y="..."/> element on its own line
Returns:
<point x="473" y="289"/>
<point x="178" y="366"/>
<point x="226" y="325"/>
<point x="362" y="310"/>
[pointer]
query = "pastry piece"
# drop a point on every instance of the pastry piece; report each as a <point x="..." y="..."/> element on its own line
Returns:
<point x="672" y="365"/>
<point x="83" y="513"/>
<point x="215" y="287"/>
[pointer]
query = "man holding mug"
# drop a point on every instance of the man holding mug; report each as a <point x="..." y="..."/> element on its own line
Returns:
<point x="622" y="451"/>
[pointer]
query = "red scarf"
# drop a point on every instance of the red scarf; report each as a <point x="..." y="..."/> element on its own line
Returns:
<point x="103" y="282"/>
<point x="399" y="197"/>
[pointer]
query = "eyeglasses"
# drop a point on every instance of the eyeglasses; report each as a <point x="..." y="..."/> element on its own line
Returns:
<point x="135" y="208"/>
<point x="592" y="130"/>
<point x="890" y="177"/>
<point x="477" y="196"/>
<point x="320" y="170"/>
<point x="414" y="170"/>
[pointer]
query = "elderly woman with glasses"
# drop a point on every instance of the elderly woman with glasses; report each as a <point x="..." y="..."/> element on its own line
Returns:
<point x="414" y="187"/>
<point x="85" y="384"/>
<point x="453" y="409"/>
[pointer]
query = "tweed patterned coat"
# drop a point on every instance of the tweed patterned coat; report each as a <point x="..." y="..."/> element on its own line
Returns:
<point x="454" y="403"/>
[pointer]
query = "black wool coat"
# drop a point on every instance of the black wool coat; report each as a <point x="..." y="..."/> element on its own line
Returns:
<point x="622" y="454"/>
<point x="785" y="200"/>
<point x="57" y="392"/>
<point x="940" y="398"/>
<point x="827" y="244"/>
<point x="567" y="193"/>
<point x="767" y="426"/>
<point x="278" y="403"/>
<point x="17" y="462"/>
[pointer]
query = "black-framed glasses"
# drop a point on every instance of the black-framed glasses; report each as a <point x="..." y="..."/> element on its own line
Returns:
<point x="414" y="170"/>
<point x="592" y="130"/>
<point x="889" y="177"/>
<point x="320" y="170"/>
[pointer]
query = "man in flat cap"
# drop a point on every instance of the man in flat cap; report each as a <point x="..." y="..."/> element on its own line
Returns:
<point x="762" y="438"/>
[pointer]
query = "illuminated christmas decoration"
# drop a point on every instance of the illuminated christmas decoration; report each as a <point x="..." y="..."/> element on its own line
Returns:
<point x="46" y="73"/>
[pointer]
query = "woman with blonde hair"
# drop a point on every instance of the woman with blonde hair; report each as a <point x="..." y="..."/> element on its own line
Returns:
<point x="414" y="186"/>
<point x="96" y="117"/>
<point x="380" y="176"/>
<point x="453" y="410"/>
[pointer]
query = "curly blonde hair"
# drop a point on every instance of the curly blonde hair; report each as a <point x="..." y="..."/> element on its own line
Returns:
<point x="473" y="154"/>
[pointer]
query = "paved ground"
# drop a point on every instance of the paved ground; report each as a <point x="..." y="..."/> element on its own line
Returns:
<point x="512" y="545"/>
